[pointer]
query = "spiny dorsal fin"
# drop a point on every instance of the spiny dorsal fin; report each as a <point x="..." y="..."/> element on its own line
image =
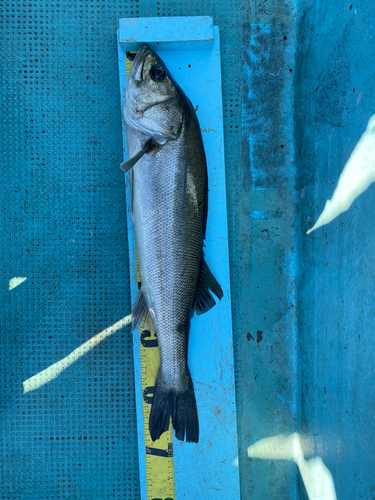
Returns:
<point x="207" y="281"/>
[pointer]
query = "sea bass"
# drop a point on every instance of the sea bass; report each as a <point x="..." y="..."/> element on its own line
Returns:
<point x="169" y="208"/>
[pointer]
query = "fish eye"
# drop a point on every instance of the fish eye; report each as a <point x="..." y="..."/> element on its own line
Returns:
<point x="157" y="73"/>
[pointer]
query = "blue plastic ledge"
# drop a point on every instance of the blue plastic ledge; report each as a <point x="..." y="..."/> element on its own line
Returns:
<point x="167" y="33"/>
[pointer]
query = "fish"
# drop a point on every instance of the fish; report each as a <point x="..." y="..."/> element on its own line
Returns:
<point x="169" y="203"/>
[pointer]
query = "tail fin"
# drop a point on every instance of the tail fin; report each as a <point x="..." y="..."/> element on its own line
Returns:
<point x="180" y="406"/>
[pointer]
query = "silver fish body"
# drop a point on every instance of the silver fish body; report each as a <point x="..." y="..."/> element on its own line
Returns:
<point x="169" y="208"/>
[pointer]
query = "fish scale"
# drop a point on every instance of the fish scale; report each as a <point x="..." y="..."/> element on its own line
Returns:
<point x="169" y="242"/>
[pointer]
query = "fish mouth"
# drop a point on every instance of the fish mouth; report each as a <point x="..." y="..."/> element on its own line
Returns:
<point x="139" y="61"/>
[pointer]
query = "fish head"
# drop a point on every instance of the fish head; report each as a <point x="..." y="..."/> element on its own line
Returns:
<point x="153" y="102"/>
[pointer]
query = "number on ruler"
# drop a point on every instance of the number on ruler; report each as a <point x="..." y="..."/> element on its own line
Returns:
<point x="147" y="341"/>
<point x="160" y="453"/>
<point x="162" y="499"/>
<point x="148" y="394"/>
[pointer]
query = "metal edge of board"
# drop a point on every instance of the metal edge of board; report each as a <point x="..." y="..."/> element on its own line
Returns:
<point x="210" y="461"/>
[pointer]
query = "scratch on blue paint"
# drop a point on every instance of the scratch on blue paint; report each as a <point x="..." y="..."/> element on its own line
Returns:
<point x="260" y="28"/>
<point x="251" y="120"/>
<point x="281" y="398"/>
<point x="265" y="214"/>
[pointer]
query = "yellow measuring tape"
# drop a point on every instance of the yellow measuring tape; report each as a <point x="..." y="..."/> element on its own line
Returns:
<point x="159" y="453"/>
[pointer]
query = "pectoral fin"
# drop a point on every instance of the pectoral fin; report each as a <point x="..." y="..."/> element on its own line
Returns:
<point x="203" y="298"/>
<point x="148" y="147"/>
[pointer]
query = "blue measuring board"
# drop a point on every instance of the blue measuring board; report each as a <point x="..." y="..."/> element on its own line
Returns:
<point x="190" y="47"/>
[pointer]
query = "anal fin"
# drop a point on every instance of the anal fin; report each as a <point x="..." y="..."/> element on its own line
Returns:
<point x="142" y="315"/>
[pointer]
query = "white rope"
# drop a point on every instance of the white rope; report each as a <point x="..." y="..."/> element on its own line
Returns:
<point x="56" y="369"/>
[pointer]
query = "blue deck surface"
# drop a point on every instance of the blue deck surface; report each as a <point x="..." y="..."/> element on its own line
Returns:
<point x="298" y="90"/>
<point x="335" y="98"/>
